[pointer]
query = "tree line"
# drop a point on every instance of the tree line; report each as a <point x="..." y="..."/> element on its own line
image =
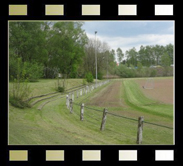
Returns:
<point x="152" y="55"/>
<point x="45" y="49"/>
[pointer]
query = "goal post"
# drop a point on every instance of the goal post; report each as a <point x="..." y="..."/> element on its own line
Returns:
<point x="149" y="84"/>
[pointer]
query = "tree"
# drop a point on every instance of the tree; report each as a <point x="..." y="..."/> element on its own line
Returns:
<point x="139" y="66"/>
<point x="26" y="40"/>
<point x="169" y="50"/>
<point x="142" y="56"/>
<point x="158" y="51"/>
<point x="105" y="58"/>
<point x="67" y="47"/>
<point x="132" y="57"/>
<point x="120" y="55"/>
<point x="165" y="60"/>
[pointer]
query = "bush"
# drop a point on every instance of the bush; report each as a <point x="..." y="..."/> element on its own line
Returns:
<point x="89" y="77"/>
<point x="100" y="76"/>
<point x="84" y="82"/>
<point x="18" y="103"/>
<point x="34" y="71"/>
<point x="153" y="73"/>
<point x="20" y="90"/>
<point x="61" y="89"/>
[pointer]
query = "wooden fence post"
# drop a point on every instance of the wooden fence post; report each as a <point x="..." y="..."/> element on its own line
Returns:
<point x="81" y="92"/>
<point x="103" y="119"/>
<point x="82" y="112"/>
<point x="71" y="106"/>
<point x="86" y="90"/>
<point x="72" y="96"/>
<point x="140" y="129"/>
<point x="67" y="101"/>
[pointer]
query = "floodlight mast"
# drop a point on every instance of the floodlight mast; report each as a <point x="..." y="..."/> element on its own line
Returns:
<point x="96" y="58"/>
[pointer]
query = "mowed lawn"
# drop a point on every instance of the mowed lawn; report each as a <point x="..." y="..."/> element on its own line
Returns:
<point x="55" y="125"/>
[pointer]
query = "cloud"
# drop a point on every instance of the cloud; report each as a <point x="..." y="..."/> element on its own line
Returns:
<point x="126" y="43"/>
<point x="135" y="41"/>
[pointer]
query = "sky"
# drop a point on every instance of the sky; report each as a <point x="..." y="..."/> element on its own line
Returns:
<point x="129" y="34"/>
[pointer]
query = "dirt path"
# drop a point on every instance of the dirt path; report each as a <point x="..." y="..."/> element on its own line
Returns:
<point x="109" y="97"/>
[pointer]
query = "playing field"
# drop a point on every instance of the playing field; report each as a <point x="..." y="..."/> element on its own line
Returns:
<point x="125" y="99"/>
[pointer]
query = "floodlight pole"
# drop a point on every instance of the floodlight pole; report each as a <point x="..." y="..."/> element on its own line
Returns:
<point x="96" y="57"/>
<point x="107" y="66"/>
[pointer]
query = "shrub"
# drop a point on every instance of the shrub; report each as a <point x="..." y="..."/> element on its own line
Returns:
<point x="34" y="71"/>
<point x="61" y="89"/>
<point x="18" y="103"/>
<point x="20" y="89"/>
<point x="100" y="76"/>
<point x="153" y="73"/>
<point x="89" y="77"/>
<point x="84" y="82"/>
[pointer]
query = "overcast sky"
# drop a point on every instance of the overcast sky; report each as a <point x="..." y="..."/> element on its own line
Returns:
<point x="129" y="34"/>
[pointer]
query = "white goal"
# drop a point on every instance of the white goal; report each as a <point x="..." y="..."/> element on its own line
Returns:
<point x="149" y="84"/>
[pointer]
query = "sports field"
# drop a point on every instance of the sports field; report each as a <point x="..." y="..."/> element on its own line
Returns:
<point x="49" y="122"/>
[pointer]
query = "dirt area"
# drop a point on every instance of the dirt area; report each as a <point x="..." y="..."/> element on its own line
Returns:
<point x="109" y="97"/>
<point x="162" y="91"/>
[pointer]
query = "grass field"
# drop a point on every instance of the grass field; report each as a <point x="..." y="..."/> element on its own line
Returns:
<point x="55" y="125"/>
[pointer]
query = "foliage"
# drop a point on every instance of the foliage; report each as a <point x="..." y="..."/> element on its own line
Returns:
<point x="165" y="60"/>
<point x="153" y="73"/>
<point x="89" y="77"/>
<point x="20" y="90"/>
<point x="61" y="89"/>
<point x="58" y="86"/>
<point x="105" y="57"/>
<point x="48" y="48"/>
<point x="84" y="82"/>
<point x="131" y="57"/>
<point x="67" y="47"/>
<point x="125" y="72"/>
<point x="139" y="66"/>
<point x="120" y="55"/>
<point x="18" y="103"/>
<point x="57" y="46"/>
<point x="34" y="71"/>
<point x="100" y="76"/>
<point x="149" y="55"/>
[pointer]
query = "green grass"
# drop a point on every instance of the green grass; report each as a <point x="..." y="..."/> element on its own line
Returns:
<point x="136" y="99"/>
<point x="55" y="125"/>
<point x="44" y="86"/>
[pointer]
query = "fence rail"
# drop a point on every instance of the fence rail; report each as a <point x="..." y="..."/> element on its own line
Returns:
<point x="140" y="120"/>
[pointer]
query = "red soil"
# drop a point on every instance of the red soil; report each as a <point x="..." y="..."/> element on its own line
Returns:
<point x="162" y="91"/>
